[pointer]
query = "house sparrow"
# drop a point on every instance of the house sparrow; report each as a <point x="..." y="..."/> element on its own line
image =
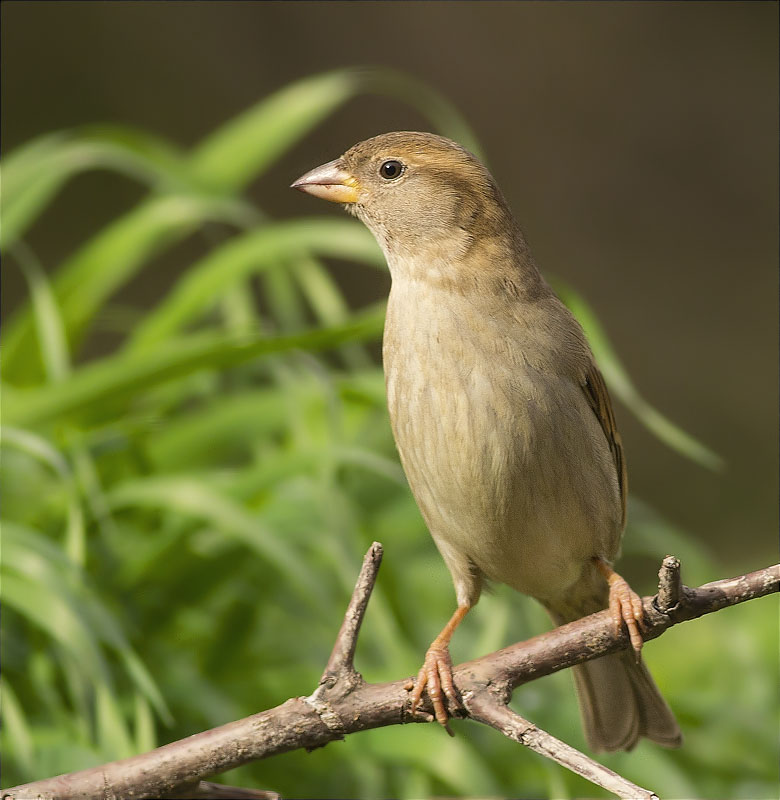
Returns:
<point x="501" y="418"/>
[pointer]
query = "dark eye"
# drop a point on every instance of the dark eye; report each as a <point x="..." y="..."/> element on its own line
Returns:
<point x="390" y="170"/>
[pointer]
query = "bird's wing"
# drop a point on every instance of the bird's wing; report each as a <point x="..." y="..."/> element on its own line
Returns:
<point x="598" y="397"/>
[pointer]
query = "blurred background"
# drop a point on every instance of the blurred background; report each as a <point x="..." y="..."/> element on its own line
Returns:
<point x="195" y="433"/>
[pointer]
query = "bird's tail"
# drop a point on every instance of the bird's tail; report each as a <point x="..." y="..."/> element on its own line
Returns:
<point x="619" y="701"/>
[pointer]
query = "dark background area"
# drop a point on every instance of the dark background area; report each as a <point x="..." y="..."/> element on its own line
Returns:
<point x="636" y="142"/>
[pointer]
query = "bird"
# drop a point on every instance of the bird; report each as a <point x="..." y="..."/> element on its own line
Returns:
<point x="501" y="418"/>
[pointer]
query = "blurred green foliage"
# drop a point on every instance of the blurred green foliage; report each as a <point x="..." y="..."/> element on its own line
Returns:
<point x="184" y="518"/>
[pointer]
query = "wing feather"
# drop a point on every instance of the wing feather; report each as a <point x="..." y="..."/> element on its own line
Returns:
<point x="598" y="397"/>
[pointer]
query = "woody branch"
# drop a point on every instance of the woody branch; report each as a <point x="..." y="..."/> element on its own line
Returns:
<point x="344" y="703"/>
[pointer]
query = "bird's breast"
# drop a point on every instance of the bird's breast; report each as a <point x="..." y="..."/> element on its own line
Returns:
<point x="491" y="441"/>
<point x="456" y="395"/>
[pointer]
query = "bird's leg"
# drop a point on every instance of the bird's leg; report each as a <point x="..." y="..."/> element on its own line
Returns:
<point x="624" y="604"/>
<point x="436" y="672"/>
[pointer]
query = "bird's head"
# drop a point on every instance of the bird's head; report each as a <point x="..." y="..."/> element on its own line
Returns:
<point x="418" y="193"/>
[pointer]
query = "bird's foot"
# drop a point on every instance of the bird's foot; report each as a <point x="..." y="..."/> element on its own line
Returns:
<point x="435" y="675"/>
<point x="625" y="605"/>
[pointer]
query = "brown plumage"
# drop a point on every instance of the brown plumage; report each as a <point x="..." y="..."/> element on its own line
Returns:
<point x="502" y="420"/>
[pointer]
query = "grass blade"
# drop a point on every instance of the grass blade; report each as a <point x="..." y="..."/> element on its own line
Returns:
<point x="40" y="449"/>
<point x="52" y="342"/>
<point x="620" y="383"/>
<point x="122" y="378"/>
<point x="328" y="303"/>
<point x="225" y="162"/>
<point x="433" y="105"/>
<point x="67" y="609"/>
<point x="16" y="728"/>
<point x="245" y="146"/>
<point x="197" y="500"/>
<point x="54" y="613"/>
<point x="37" y="170"/>
<point x="213" y="433"/>
<point x="89" y="277"/>
<point x="250" y="253"/>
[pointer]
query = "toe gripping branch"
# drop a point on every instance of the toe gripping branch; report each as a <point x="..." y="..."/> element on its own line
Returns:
<point x="435" y="676"/>
<point x="344" y="703"/>
<point x="625" y="606"/>
<point x="484" y="701"/>
<point x="484" y="686"/>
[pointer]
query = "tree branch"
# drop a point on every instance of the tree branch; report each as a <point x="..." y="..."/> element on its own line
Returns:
<point x="512" y="725"/>
<point x="344" y="703"/>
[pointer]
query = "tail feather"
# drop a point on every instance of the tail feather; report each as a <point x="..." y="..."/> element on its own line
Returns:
<point x="619" y="701"/>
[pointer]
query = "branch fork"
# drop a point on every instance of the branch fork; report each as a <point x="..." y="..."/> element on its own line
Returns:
<point x="344" y="703"/>
<point x="340" y="677"/>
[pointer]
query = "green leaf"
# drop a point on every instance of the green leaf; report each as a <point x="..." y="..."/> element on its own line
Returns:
<point x="52" y="594"/>
<point x="196" y="499"/>
<point x="237" y="309"/>
<point x="431" y="104"/>
<point x="212" y="432"/>
<point x="121" y="378"/>
<point x="37" y="170"/>
<point x="145" y="735"/>
<point x="379" y="465"/>
<point x="96" y="271"/>
<point x="620" y="383"/>
<point x="40" y="449"/>
<point x="244" y="147"/>
<point x="284" y="299"/>
<point x="51" y="609"/>
<point x="16" y="727"/>
<point x="258" y="250"/>
<point x="52" y="342"/>
<point x="225" y="162"/>
<point x="113" y="732"/>
<point x="328" y="303"/>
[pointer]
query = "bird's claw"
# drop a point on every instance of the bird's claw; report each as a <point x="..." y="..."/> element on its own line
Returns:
<point x="435" y="675"/>
<point x="625" y="605"/>
<point x="626" y="608"/>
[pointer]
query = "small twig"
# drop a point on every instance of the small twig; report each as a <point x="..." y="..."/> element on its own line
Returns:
<point x="669" y="585"/>
<point x="512" y="725"/>
<point x="341" y="661"/>
<point x="340" y="676"/>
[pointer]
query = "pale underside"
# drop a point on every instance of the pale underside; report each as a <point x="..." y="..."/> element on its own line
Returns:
<point x="509" y="464"/>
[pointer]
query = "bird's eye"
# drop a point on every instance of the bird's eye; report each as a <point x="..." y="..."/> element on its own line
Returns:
<point x="390" y="170"/>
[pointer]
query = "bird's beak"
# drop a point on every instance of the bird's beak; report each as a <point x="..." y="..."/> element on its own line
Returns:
<point x="329" y="182"/>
